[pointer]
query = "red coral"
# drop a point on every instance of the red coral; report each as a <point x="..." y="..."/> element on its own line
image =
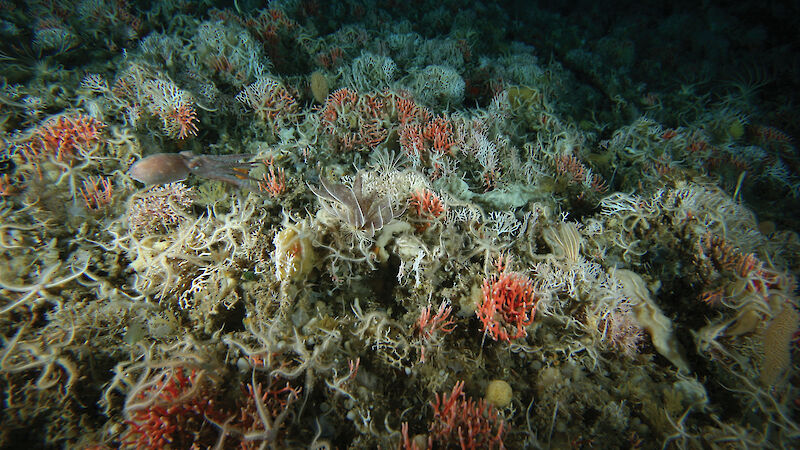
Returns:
<point x="408" y="111"/>
<point x="9" y="186"/>
<point x="174" y="415"/>
<point x="460" y="421"/>
<point x="431" y="327"/>
<point x="575" y="172"/>
<point x="185" y="117"/>
<point x="508" y="306"/>
<point x="412" y="140"/>
<point x="97" y="192"/>
<point x="439" y="131"/>
<point x="270" y="100"/>
<point x="427" y="206"/>
<point x="330" y="59"/>
<point x="274" y="182"/>
<point x="169" y="103"/>
<point x="354" y="121"/>
<point x="571" y="168"/>
<point x="717" y="254"/>
<point x="261" y="415"/>
<point x="60" y="137"/>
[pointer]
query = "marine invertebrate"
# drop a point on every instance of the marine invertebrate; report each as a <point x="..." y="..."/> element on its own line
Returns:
<point x="370" y="72"/>
<point x="97" y="192"/>
<point x="565" y="240"/>
<point x="620" y="330"/>
<point x="574" y="171"/>
<point x="138" y="89"/>
<point x="499" y="393"/>
<point x="218" y="283"/>
<point x="354" y="122"/>
<point x="408" y="111"/>
<point x="427" y="205"/>
<point x="458" y="420"/>
<point x="439" y="130"/>
<point x="61" y="136"/>
<point x="269" y="99"/>
<point x="39" y="290"/>
<point x="233" y="55"/>
<point x="431" y="328"/>
<point x="652" y="320"/>
<point x="163" y="168"/>
<point x="734" y="279"/>
<point x="54" y="35"/>
<point x="188" y="260"/>
<point x="350" y="204"/>
<point x="425" y="139"/>
<point x="47" y="355"/>
<point x="777" y="339"/>
<point x="9" y="186"/>
<point x="173" y="106"/>
<point x="440" y="87"/>
<point x="508" y="306"/>
<point x="262" y="414"/>
<point x="171" y="410"/>
<point x="294" y="256"/>
<point x="160" y="209"/>
<point x="274" y="181"/>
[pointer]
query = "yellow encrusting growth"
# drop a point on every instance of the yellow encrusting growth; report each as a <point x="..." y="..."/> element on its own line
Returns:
<point x="777" y="340"/>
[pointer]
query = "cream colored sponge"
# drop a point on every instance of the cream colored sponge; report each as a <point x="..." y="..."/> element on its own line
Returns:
<point x="498" y="393"/>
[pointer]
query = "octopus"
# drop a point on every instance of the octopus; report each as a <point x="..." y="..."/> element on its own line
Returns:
<point x="163" y="168"/>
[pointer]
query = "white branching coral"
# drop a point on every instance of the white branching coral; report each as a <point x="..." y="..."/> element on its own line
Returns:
<point x="160" y="209"/>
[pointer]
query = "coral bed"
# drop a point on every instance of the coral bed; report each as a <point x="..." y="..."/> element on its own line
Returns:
<point x="392" y="233"/>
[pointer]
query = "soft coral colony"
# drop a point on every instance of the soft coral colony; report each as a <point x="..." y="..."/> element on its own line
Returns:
<point x="365" y="237"/>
